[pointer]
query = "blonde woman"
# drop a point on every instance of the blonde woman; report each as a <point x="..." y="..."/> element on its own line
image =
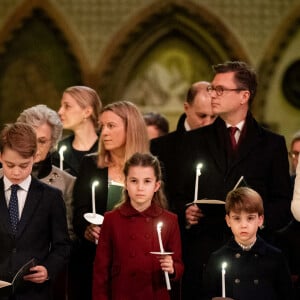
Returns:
<point x="123" y="132"/>
<point x="79" y="113"/>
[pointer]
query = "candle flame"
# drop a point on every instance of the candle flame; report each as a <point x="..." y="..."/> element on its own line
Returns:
<point x="95" y="183"/>
<point x="199" y="166"/>
<point x="198" y="169"/>
<point x="62" y="149"/>
<point x="159" y="226"/>
<point x="224" y="265"/>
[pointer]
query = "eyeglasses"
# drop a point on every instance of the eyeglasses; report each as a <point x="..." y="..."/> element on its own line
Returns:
<point x="219" y="89"/>
<point x="294" y="154"/>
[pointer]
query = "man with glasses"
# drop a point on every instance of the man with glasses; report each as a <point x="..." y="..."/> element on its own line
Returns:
<point x="235" y="145"/>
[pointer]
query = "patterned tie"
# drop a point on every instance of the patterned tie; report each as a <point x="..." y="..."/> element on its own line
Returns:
<point x="232" y="131"/>
<point x="13" y="207"/>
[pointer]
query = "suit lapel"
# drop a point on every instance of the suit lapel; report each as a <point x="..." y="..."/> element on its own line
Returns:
<point x="217" y="143"/>
<point x="250" y="139"/>
<point x="31" y="203"/>
<point x="4" y="214"/>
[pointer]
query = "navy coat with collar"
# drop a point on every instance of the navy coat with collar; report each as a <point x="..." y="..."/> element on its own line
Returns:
<point x="41" y="234"/>
<point x="260" y="273"/>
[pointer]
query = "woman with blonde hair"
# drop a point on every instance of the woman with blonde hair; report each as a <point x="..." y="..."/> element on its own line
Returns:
<point x="123" y="132"/>
<point x="79" y="113"/>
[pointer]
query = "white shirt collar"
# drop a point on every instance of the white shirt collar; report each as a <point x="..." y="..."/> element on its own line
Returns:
<point x="24" y="185"/>
<point x="186" y="125"/>
<point x="239" y="125"/>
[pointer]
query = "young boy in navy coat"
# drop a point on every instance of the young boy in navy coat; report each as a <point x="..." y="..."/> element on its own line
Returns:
<point x="38" y="227"/>
<point x="255" y="269"/>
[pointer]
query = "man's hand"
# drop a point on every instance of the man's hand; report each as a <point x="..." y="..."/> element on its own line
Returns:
<point x="39" y="274"/>
<point x="192" y="214"/>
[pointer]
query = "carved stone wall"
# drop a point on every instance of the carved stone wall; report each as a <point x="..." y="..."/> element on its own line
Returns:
<point x="97" y="38"/>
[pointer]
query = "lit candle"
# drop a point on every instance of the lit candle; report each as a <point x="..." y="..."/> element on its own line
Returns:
<point x="198" y="173"/>
<point x="224" y="265"/>
<point x="159" y="226"/>
<point x="95" y="183"/>
<point x="61" y="151"/>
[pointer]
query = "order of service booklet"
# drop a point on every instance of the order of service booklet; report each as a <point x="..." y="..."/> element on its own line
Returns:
<point x="210" y="207"/>
<point x="10" y="287"/>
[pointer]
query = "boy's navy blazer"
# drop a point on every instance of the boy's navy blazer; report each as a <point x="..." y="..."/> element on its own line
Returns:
<point x="41" y="233"/>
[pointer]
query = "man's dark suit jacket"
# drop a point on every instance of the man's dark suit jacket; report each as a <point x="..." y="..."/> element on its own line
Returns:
<point x="261" y="158"/>
<point x="263" y="161"/>
<point x="41" y="234"/>
<point x="166" y="148"/>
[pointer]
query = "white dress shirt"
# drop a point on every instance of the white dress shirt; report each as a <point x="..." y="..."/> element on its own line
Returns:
<point x="22" y="192"/>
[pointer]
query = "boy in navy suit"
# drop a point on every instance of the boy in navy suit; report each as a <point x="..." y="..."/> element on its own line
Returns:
<point x="32" y="217"/>
<point x="255" y="269"/>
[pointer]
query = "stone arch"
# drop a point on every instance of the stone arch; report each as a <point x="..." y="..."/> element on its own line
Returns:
<point x="36" y="63"/>
<point x="152" y="25"/>
<point x="25" y="9"/>
<point x="275" y="49"/>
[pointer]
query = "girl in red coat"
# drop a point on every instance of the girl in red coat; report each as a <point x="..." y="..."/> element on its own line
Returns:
<point x="124" y="268"/>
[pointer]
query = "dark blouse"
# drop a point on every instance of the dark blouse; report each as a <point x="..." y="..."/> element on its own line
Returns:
<point x="72" y="157"/>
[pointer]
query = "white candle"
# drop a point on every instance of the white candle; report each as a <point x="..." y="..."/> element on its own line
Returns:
<point x="238" y="183"/>
<point x="95" y="183"/>
<point x="61" y="156"/>
<point x="198" y="173"/>
<point x="224" y="265"/>
<point x="159" y="226"/>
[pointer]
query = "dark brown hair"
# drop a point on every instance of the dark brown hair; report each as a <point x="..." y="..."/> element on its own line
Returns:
<point x="244" y="76"/>
<point x="19" y="137"/>
<point x="158" y="120"/>
<point x="244" y="199"/>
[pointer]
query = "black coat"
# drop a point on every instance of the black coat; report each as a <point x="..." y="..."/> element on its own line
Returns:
<point x="42" y="234"/>
<point x="260" y="274"/>
<point x="72" y="157"/>
<point x="83" y="255"/>
<point x="261" y="158"/>
<point x="167" y="148"/>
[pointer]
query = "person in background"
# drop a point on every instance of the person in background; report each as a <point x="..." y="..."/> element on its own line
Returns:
<point x="157" y="124"/>
<point x="122" y="133"/>
<point x="254" y="268"/>
<point x="48" y="128"/>
<point x="288" y="238"/>
<point x="79" y="113"/>
<point x="294" y="155"/>
<point x="197" y="113"/>
<point x="234" y="145"/>
<point x="118" y="274"/>
<point x="33" y="217"/>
